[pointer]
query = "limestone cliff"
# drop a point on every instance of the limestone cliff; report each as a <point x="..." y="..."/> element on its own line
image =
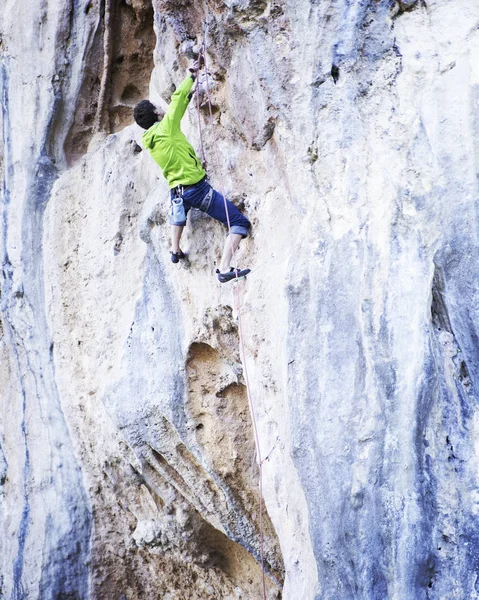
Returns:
<point x="347" y="131"/>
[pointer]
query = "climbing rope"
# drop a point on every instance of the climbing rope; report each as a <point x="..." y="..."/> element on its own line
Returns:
<point x="198" y="69"/>
<point x="238" y="302"/>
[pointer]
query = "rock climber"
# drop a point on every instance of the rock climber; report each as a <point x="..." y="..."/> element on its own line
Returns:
<point x="189" y="187"/>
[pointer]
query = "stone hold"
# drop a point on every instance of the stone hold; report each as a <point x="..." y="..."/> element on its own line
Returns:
<point x="405" y="5"/>
<point x="335" y="73"/>
<point x="265" y="135"/>
<point x="155" y="217"/>
<point x="138" y="6"/>
<point x="319" y="79"/>
<point x="247" y="8"/>
<point x="177" y="533"/>
<point x="118" y="243"/>
<point x="3" y="467"/>
<point x="206" y="88"/>
<point x="135" y="148"/>
<point x="189" y="49"/>
<point x="313" y="154"/>
<point x="221" y="320"/>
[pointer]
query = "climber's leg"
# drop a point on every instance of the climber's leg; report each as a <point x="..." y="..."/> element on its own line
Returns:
<point x="176" y="253"/>
<point x="179" y="213"/>
<point x="227" y="213"/>
<point x="237" y="222"/>
<point x="176" y="232"/>
<point x="231" y="244"/>
<point x="208" y="200"/>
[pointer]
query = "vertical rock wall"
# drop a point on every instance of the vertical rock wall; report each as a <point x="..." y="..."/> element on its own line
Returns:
<point x="347" y="131"/>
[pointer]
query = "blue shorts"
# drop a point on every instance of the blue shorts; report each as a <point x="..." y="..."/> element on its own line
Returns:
<point x="203" y="197"/>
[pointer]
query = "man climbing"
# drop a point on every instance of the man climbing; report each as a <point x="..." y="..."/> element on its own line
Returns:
<point x="189" y="187"/>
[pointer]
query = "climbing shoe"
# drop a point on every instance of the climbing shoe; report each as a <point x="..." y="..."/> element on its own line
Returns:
<point x="232" y="274"/>
<point x="175" y="256"/>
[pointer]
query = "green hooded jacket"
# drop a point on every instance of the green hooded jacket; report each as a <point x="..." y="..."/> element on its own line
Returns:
<point x="168" y="145"/>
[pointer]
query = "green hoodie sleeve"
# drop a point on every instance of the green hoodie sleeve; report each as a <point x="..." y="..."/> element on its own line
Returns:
<point x="168" y="145"/>
<point x="178" y="104"/>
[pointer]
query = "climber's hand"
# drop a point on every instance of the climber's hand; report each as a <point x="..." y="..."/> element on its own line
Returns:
<point x="197" y="65"/>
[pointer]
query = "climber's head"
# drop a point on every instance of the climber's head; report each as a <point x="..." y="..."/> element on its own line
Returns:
<point x="147" y="114"/>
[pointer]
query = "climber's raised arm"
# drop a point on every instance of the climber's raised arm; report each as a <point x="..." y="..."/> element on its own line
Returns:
<point x="178" y="104"/>
<point x="181" y="98"/>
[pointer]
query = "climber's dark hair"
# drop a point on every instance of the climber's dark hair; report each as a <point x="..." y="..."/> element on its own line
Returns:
<point x="144" y="114"/>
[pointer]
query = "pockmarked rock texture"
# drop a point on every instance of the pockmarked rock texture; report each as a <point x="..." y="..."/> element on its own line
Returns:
<point x="347" y="130"/>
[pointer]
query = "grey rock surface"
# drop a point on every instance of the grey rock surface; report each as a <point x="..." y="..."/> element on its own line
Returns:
<point x="347" y="131"/>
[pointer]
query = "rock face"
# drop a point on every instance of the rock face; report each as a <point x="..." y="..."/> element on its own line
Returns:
<point x="347" y="130"/>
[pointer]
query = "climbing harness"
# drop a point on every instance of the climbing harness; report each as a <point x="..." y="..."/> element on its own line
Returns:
<point x="238" y="303"/>
<point x="178" y="210"/>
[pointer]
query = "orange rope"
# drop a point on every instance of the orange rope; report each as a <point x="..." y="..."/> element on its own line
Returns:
<point x="240" y="324"/>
